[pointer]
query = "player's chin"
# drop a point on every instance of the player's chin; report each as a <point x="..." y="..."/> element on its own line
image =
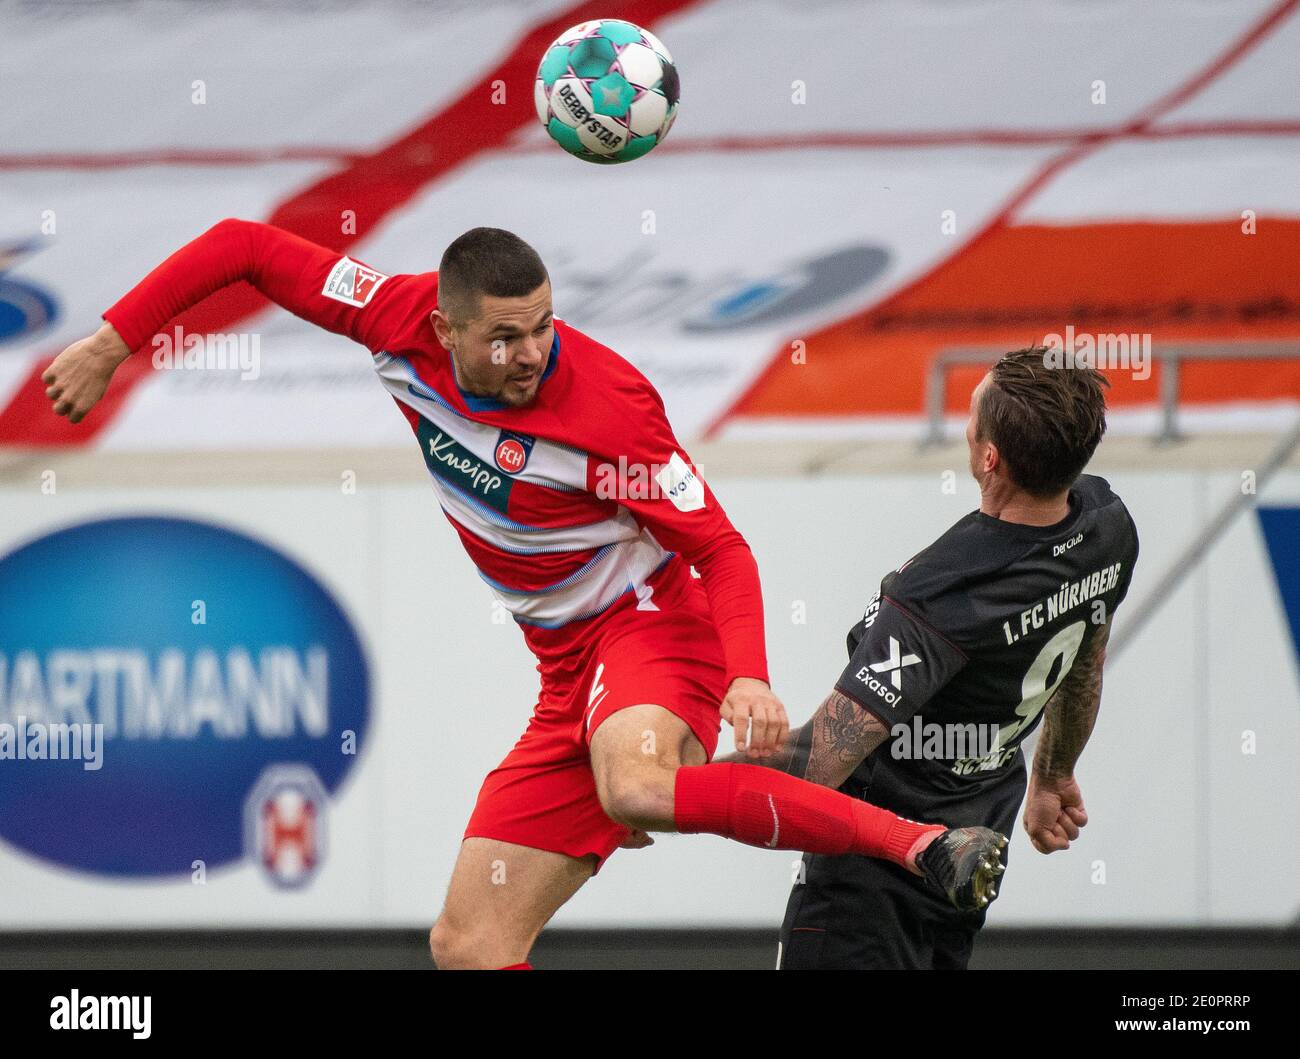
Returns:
<point x="516" y="393"/>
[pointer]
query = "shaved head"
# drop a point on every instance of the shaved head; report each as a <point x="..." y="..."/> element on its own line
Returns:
<point x="486" y="261"/>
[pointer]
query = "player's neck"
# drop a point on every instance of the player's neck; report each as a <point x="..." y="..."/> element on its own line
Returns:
<point x="467" y="385"/>
<point x="1015" y="505"/>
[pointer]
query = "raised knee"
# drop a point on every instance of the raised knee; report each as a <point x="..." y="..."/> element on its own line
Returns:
<point x="442" y="942"/>
<point x="639" y="798"/>
<point x="456" y="949"/>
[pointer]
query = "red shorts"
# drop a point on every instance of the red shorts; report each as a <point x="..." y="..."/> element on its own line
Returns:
<point x="543" y="794"/>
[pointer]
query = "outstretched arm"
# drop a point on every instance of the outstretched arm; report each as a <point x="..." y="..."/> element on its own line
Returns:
<point x="318" y="284"/>
<point x="1054" y="810"/>
<point x="310" y="280"/>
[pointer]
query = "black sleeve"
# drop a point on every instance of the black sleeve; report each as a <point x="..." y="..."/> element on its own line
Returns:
<point x="898" y="665"/>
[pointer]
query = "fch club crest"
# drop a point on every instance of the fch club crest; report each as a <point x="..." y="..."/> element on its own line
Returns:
<point x="284" y="824"/>
<point x="512" y="451"/>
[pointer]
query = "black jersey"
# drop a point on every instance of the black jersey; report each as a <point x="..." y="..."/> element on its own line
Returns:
<point x="964" y="645"/>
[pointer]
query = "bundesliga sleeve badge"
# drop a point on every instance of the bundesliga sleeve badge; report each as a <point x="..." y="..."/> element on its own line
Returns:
<point x="351" y="283"/>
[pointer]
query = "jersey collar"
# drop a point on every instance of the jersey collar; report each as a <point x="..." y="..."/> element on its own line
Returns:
<point x="1037" y="533"/>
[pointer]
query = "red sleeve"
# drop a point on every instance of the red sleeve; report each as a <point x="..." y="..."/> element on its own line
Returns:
<point x="320" y="285"/>
<point x="659" y="485"/>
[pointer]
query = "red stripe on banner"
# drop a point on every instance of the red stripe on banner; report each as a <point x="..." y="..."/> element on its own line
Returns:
<point x="955" y="138"/>
<point x="185" y="156"/>
<point x="1087" y="144"/>
<point x="830" y="139"/>
<point x="374" y="185"/>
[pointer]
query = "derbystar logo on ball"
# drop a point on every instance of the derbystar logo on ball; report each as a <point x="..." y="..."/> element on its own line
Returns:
<point x="607" y="91"/>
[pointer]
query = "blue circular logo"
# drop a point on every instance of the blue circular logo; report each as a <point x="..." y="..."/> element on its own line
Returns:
<point x="151" y="671"/>
<point x="25" y="309"/>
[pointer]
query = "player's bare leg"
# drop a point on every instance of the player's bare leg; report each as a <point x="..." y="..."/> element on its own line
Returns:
<point x="501" y="896"/>
<point x="635" y="755"/>
<point x="641" y="757"/>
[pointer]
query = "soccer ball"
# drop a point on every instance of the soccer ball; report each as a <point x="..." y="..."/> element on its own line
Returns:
<point x="607" y="91"/>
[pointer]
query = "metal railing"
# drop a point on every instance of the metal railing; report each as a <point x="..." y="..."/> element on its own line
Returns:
<point x="1170" y="359"/>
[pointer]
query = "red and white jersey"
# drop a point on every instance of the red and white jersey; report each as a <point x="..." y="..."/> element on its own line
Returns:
<point x="567" y="505"/>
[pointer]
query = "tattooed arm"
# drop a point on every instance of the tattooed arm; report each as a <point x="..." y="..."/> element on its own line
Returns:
<point x="1054" y="804"/>
<point x="829" y="747"/>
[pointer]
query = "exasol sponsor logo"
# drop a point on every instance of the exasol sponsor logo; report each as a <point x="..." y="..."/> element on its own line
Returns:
<point x="893" y="666"/>
<point x="205" y="656"/>
<point x="77" y="1012"/>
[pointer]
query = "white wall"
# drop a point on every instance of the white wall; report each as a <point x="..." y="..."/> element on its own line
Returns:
<point x="1187" y="828"/>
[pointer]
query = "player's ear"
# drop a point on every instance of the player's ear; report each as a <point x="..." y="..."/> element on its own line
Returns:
<point x="992" y="458"/>
<point x="441" y="328"/>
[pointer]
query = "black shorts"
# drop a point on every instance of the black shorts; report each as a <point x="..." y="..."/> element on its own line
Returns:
<point x="860" y="913"/>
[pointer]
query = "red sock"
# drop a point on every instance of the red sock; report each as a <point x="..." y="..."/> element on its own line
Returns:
<point x="763" y="807"/>
<point x="517" y="967"/>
